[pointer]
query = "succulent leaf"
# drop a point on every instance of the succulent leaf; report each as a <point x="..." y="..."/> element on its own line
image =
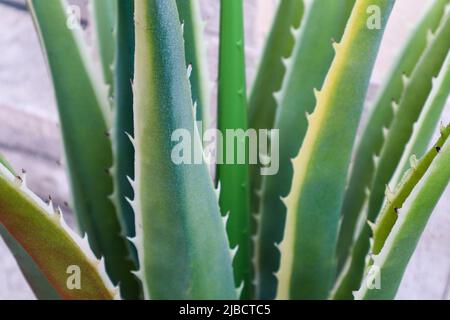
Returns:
<point x="410" y="106"/>
<point x="5" y="163"/>
<point x="320" y="169"/>
<point x="395" y="239"/>
<point x="104" y="15"/>
<point x="123" y="150"/>
<point x="234" y="176"/>
<point x="84" y="115"/>
<point x="37" y="281"/>
<point x="193" y="28"/>
<point x="182" y="245"/>
<point x="269" y="77"/>
<point x="383" y="111"/>
<point x="389" y="214"/>
<point x="35" y="278"/>
<point x="427" y="123"/>
<point x="271" y="69"/>
<point x="311" y="59"/>
<point x="45" y="247"/>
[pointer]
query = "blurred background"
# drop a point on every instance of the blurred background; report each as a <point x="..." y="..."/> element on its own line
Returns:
<point x="30" y="139"/>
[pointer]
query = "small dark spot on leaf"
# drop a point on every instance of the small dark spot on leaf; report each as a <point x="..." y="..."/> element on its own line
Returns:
<point x="438" y="149"/>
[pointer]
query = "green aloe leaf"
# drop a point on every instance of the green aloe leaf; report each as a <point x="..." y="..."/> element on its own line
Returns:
<point x="348" y="282"/>
<point x="417" y="89"/>
<point x="5" y="163"/>
<point x="196" y="58"/>
<point x="104" y="15"/>
<point x="181" y="240"/>
<point x="123" y="150"/>
<point x="428" y="121"/>
<point x="269" y="77"/>
<point x="395" y="200"/>
<point x="372" y="139"/>
<point x="307" y="68"/>
<point x="271" y="70"/>
<point x="84" y="118"/>
<point x="233" y="174"/>
<point x="320" y="170"/>
<point x="37" y="281"/>
<point x="48" y="252"/>
<point x="416" y="92"/>
<point x="398" y="230"/>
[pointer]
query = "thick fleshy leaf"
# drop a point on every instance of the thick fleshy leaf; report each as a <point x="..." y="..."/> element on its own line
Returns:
<point x="123" y="150"/>
<point x="233" y="176"/>
<point x="104" y="16"/>
<point x="5" y="163"/>
<point x="395" y="200"/>
<point x="395" y="242"/>
<point x="84" y="114"/>
<point x="417" y="90"/>
<point x="181" y="240"/>
<point x="320" y="170"/>
<point x="269" y="77"/>
<point x="196" y="58"/>
<point x="37" y="281"/>
<point x="306" y="70"/>
<point x="372" y="139"/>
<point x="55" y="260"/>
<point x="271" y="70"/>
<point x="427" y="123"/>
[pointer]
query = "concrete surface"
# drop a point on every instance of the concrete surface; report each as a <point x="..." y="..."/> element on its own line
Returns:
<point x="30" y="139"/>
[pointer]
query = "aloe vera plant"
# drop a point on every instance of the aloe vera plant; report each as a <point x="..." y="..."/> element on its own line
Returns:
<point x="153" y="223"/>
<point x="381" y="116"/>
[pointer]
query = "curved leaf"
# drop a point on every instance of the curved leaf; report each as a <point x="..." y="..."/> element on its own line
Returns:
<point x="123" y="151"/>
<point x="320" y="170"/>
<point x="37" y="281"/>
<point x="181" y="239"/>
<point x="391" y="259"/>
<point x="271" y="70"/>
<point x="428" y="121"/>
<point x="411" y="104"/>
<point x="372" y="139"/>
<point x="193" y="27"/>
<point x="307" y="69"/>
<point x="48" y="252"/>
<point x="269" y="77"/>
<point x="84" y="118"/>
<point x="234" y="176"/>
<point x="5" y="163"/>
<point x="104" y="15"/>
<point x="417" y="90"/>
